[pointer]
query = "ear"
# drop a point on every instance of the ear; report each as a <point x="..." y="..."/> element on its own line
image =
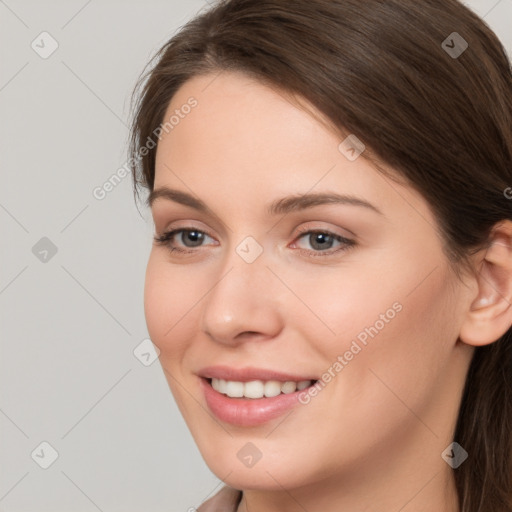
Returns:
<point x="490" y="314"/>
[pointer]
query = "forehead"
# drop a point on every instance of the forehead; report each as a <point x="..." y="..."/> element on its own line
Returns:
<point x="244" y="139"/>
<point x="234" y="107"/>
<point x="241" y="126"/>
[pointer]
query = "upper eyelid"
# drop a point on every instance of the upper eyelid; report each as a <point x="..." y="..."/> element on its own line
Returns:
<point x="223" y="228"/>
<point x="302" y="224"/>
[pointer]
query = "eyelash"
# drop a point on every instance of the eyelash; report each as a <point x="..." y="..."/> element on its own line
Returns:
<point x="166" y="239"/>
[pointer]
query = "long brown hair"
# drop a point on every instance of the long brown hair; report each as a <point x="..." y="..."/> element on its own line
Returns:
<point x="427" y="86"/>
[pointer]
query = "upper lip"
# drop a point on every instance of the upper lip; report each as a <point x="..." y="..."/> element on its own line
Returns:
<point x="249" y="373"/>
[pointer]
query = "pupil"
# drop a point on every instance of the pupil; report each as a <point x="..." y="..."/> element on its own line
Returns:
<point x="322" y="239"/>
<point x="192" y="236"/>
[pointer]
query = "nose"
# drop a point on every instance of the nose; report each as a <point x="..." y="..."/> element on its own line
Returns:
<point x="243" y="303"/>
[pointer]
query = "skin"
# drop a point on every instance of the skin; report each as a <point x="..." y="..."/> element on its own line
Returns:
<point x="372" y="439"/>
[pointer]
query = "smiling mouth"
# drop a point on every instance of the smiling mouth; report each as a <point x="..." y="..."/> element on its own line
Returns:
<point x="258" y="389"/>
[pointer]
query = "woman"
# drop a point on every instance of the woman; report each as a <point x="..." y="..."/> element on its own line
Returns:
<point x="330" y="285"/>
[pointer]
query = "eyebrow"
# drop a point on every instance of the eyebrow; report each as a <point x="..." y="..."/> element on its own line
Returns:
<point x="278" y="207"/>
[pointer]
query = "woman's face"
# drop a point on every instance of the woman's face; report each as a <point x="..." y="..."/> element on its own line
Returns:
<point x="374" y="316"/>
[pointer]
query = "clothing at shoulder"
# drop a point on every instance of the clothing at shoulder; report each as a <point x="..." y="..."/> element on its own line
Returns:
<point x="226" y="500"/>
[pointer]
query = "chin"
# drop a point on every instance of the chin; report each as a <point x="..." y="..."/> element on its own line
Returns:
<point x="271" y="472"/>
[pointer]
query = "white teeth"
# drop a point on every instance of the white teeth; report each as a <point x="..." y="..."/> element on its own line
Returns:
<point x="303" y="384"/>
<point x="221" y="385"/>
<point x="289" y="387"/>
<point x="254" y="389"/>
<point x="257" y="388"/>
<point x="272" y="388"/>
<point x="234" y="389"/>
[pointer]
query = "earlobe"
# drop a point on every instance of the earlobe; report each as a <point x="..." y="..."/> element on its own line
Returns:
<point x="490" y="314"/>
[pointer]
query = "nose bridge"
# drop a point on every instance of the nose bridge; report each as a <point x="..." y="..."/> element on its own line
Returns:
<point x="241" y="297"/>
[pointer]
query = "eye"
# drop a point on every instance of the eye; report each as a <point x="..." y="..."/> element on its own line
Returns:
<point x="322" y="240"/>
<point x="189" y="237"/>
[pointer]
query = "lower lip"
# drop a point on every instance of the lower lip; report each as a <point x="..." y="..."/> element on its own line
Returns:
<point x="248" y="412"/>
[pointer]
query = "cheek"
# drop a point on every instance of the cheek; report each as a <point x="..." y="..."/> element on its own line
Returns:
<point x="381" y="334"/>
<point x="169" y="298"/>
<point x="396" y="343"/>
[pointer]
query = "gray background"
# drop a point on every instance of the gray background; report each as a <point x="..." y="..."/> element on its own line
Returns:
<point x="71" y="323"/>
